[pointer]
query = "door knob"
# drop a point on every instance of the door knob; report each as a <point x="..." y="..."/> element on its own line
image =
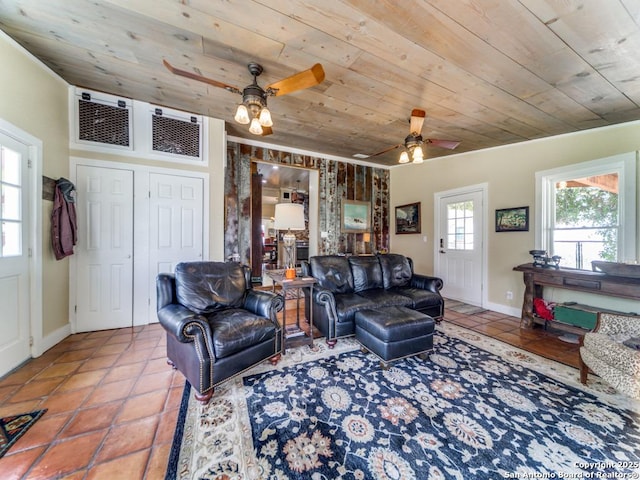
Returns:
<point x="442" y="251"/>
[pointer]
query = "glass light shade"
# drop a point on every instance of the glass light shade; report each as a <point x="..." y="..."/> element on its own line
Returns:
<point x="289" y="216"/>
<point x="418" y="156"/>
<point x="404" y="157"/>
<point x="265" y="118"/>
<point x="242" y="115"/>
<point x="255" y="127"/>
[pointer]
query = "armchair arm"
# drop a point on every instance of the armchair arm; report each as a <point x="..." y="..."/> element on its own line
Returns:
<point x="613" y="323"/>
<point x="165" y="290"/>
<point x="263" y="303"/>
<point x="426" y="282"/>
<point x="179" y="321"/>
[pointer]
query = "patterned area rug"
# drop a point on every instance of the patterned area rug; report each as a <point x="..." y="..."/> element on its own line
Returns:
<point x="13" y="427"/>
<point x="477" y="409"/>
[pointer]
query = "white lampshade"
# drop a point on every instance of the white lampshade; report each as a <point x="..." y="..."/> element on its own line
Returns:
<point x="404" y="157"/>
<point x="265" y="118"/>
<point x="242" y="115"/>
<point x="289" y="216"/>
<point x="255" y="127"/>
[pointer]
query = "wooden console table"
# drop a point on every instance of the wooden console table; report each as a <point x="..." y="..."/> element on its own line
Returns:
<point x="536" y="278"/>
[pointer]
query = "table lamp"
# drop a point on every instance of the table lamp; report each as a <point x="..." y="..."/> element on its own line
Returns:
<point x="289" y="216"/>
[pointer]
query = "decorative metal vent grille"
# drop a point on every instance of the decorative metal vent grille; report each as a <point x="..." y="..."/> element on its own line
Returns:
<point x="103" y="123"/>
<point x="178" y="137"/>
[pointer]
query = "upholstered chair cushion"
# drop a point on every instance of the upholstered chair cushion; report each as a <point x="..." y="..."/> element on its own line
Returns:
<point x="234" y="330"/>
<point x="205" y="287"/>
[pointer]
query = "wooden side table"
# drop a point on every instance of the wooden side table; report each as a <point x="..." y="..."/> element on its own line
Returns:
<point x="294" y="337"/>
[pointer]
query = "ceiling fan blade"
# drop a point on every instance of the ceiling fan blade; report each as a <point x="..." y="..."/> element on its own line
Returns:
<point x="199" y="78"/>
<point x="266" y="131"/>
<point x="384" y="151"/>
<point x="298" y="81"/>
<point x="417" y="119"/>
<point x="448" y="144"/>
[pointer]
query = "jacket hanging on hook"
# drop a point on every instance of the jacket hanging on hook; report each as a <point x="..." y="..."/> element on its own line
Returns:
<point x="64" y="228"/>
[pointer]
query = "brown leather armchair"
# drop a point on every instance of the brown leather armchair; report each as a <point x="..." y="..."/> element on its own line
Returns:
<point x="217" y="325"/>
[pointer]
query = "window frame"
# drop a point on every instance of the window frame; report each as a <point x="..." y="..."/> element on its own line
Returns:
<point x="624" y="165"/>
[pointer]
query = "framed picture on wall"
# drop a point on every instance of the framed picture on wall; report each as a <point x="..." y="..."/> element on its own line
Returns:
<point x="408" y="218"/>
<point x="355" y="217"/>
<point x="512" y="219"/>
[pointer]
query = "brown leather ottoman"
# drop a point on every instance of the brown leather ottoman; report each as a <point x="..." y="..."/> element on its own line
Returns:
<point x="393" y="333"/>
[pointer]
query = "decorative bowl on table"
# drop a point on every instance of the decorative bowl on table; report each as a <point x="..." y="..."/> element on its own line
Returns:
<point x="617" y="269"/>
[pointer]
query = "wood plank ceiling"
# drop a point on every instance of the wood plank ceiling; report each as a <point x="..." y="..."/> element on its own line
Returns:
<point x="487" y="72"/>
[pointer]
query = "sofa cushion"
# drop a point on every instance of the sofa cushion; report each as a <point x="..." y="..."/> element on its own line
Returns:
<point x="206" y="287"/>
<point x="396" y="270"/>
<point x="333" y="273"/>
<point x="385" y="298"/>
<point x="366" y="272"/>
<point x="420" y="299"/>
<point x="347" y="304"/>
<point x="235" y="329"/>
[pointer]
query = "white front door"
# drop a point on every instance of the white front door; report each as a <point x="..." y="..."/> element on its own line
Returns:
<point x="14" y="254"/>
<point x="459" y="257"/>
<point x="105" y="248"/>
<point x="175" y="226"/>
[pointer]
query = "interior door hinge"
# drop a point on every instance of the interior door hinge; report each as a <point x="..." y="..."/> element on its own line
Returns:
<point x="75" y="309"/>
<point x="31" y="341"/>
<point x="29" y="163"/>
<point x="30" y="252"/>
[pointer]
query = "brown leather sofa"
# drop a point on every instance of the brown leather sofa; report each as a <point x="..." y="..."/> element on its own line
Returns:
<point x="347" y="285"/>
<point x="217" y="325"/>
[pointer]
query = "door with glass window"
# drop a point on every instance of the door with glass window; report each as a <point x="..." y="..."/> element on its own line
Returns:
<point x="459" y="248"/>
<point x="14" y="254"/>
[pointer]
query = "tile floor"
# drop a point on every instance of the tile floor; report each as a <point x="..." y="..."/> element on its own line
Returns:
<point x="113" y="401"/>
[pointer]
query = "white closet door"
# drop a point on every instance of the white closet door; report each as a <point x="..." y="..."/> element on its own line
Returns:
<point x="175" y="226"/>
<point x="105" y="248"/>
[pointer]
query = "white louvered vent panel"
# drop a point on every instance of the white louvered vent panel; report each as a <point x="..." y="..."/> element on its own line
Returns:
<point x="103" y="120"/>
<point x="175" y="134"/>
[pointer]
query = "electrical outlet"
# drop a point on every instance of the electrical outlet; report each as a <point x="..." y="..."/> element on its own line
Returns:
<point x="509" y="295"/>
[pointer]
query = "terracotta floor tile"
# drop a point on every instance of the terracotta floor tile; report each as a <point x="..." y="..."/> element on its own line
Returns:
<point x="142" y="406"/>
<point x="96" y="363"/>
<point x="156" y="365"/>
<point x="134" y="356"/>
<point x="175" y="397"/>
<point x="129" y="437"/>
<point x="109" y="392"/>
<point x="100" y="334"/>
<point x="123" y="372"/>
<point x="7" y="391"/>
<point x="43" y="432"/>
<point x="463" y="321"/>
<point x="59" y="369"/>
<point x="14" y="466"/>
<point x="111" y="349"/>
<point x="84" y="379"/>
<point x="36" y="389"/>
<point x="75" y="355"/>
<point x="123" y="337"/>
<point x="154" y="381"/>
<point x="67" y="456"/>
<point x="131" y="467"/>
<point x="91" y="419"/>
<point x="157" y="465"/>
<point x="487" y="330"/>
<point x="19" y="407"/>
<point x="60" y="402"/>
<point x="166" y="426"/>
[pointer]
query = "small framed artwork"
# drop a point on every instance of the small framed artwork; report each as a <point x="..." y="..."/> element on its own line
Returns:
<point x="355" y="216"/>
<point x="512" y="219"/>
<point x="408" y="218"/>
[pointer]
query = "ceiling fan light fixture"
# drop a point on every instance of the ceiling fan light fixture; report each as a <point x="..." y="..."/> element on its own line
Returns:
<point x="404" y="157"/>
<point x="265" y="118"/>
<point x="255" y="127"/>
<point x="417" y="155"/>
<point x="242" y="115"/>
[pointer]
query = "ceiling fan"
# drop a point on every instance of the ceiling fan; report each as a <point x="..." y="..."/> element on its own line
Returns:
<point x="413" y="142"/>
<point x="253" y="109"/>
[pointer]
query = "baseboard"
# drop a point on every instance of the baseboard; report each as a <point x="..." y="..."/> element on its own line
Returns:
<point x="54" y="338"/>
<point x="505" y="309"/>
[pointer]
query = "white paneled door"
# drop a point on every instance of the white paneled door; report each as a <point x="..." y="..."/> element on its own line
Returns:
<point x="14" y="254"/>
<point x="459" y="257"/>
<point x="175" y="225"/>
<point x="104" y="265"/>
